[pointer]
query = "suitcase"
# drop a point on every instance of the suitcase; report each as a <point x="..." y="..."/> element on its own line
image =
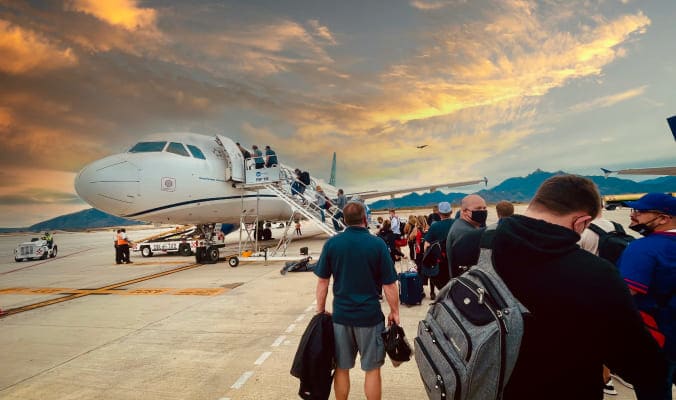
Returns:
<point x="410" y="288"/>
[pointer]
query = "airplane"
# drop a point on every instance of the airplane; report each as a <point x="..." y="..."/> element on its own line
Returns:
<point x="195" y="179"/>
<point x="642" y="171"/>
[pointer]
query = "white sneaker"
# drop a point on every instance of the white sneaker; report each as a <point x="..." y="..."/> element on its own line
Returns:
<point x="609" y="388"/>
<point x="622" y="381"/>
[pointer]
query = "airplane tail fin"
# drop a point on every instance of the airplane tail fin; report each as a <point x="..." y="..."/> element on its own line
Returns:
<point x="606" y="172"/>
<point x="332" y="180"/>
<point x="672" y="125"/>
<point x="486" y="181"/>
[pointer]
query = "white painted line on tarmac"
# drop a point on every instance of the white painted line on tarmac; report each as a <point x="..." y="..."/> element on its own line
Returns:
<point x="310" y="308"/>
<point x="314" y="303"/>
<point x="300" y="317"/>
<point x="290" y="328"/>
<point x="278" y="341"/>
<point x="262" y="358"/>
<point x="224" y="398"/>
<point x="242" y="380"/>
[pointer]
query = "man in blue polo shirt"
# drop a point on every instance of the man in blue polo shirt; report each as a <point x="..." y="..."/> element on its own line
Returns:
<point x="648" y="266"/>
<point x="360" y="264"/>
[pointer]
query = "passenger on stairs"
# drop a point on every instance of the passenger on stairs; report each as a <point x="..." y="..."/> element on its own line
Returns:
<point x="270" y="157"/>
<point x="258" y="157"/>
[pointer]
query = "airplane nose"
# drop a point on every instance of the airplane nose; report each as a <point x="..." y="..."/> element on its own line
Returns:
<point x="110" y="184"/>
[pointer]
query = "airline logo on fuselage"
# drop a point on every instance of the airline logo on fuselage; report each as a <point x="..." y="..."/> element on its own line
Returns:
<point x="168" y="184"/>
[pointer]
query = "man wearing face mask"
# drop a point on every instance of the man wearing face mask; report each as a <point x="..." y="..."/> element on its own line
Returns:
<point x="648" y="266"/>
<point x="473" y="214"/>
<point x="581" y="315"/>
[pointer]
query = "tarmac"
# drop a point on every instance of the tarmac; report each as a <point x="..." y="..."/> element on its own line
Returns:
<point x="145" y="331"/>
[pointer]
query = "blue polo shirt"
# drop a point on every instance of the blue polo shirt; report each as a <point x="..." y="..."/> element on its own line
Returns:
<point x="360" y="264"/>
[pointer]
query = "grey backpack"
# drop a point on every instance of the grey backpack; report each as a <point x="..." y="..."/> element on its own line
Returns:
<point x="469" y="341"/>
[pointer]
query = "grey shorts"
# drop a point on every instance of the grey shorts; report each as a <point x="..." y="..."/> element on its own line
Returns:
<point x="367" y="340"/>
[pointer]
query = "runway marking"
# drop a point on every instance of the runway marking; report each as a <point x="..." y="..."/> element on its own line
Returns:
<point x="290" y="328"/>
<point x="278" y="341"/>
<point x="300" y="318"/>
<point x="262" y="358"/>
<point x="130" y="292"/>
<point x="200" y="292"/>
<point x="242" y="380"/>
<point x="69" y="297"/>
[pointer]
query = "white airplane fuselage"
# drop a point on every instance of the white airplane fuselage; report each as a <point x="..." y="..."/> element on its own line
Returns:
<point x="168" y="187"/>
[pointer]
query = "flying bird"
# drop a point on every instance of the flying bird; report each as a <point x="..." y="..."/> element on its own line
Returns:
<point x="422" y="146"/>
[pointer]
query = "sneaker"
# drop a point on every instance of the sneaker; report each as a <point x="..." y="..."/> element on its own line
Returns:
<point x="622" y="381"/>
<point x="609" y="388"/>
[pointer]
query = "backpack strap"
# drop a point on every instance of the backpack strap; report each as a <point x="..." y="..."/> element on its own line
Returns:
<point x="597" y="230"/>
<point x="618" y="227"/>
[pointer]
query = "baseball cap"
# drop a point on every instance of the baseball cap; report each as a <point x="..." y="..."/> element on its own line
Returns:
<point x="661" y="202"/>
<point x="445" y="207"/>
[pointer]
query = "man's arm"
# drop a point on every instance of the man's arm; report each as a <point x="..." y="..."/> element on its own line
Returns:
<point x="392" y="296"/>
<point x="321" y="293"/>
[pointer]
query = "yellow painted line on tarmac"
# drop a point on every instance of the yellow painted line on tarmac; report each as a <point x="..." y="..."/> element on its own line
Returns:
<point x="200" y="292"/>
<point x="132" y="292"/>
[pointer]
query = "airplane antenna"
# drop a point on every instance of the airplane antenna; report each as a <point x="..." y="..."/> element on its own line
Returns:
<point x="332" y="180"/>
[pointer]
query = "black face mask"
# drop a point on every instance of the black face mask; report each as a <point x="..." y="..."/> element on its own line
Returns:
<point x="643" y="229"/>
<point x="479" y="216"/>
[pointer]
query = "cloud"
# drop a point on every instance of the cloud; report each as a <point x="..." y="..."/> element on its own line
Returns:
<point x="39" y="196"/>
<point x="124" y="13"/>
<point x="24" y="51"/>
<point x="429" y="5"/>
<point x="608" y="101"/>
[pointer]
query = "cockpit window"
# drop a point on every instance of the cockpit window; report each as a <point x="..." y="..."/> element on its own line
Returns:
<point x="177" y="148"/>
<point x="196" y="152"/>
<point x="147" y="147"/>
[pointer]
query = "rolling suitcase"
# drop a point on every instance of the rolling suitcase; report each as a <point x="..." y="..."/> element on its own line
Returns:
<point x="410" y="288"/>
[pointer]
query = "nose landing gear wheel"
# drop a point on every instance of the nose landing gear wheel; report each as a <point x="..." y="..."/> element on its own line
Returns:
<point x="233" y="262"/>
<point x="212" y="255"/>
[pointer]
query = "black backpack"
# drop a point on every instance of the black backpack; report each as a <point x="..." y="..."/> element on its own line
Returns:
<point x="305" y="177"/>
<point x="434" y="258"/>
<point x="613" y="243"/>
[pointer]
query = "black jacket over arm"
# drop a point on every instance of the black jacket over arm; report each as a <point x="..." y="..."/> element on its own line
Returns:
<point x="314" y="360"/>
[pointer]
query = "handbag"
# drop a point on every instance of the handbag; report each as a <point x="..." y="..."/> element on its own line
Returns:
<point x="396" y="344"/>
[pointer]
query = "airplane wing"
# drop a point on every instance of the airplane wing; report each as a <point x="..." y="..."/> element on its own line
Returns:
<point x="642" y="171"/>
<point x="382" y="193"/>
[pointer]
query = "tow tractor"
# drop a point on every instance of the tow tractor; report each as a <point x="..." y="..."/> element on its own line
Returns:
<point x="35" y="249"/>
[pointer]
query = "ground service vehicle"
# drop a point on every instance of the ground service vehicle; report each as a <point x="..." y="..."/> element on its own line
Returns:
<point x="35" y="249"/>
<point x="180" y="242"/>
<point x="611" y="202"/>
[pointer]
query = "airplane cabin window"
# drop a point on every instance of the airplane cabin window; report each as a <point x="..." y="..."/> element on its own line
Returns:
<point x="196" y="152"/>
<point x="147" y="147"/>
<point x="177" y="148"/>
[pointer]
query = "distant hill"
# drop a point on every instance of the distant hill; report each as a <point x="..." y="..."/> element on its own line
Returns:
<point x="85" y="219"/>
<point x="522" y="189"/>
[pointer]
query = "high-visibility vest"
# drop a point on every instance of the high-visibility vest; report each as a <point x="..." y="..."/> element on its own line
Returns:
<point x="121" y="239"/>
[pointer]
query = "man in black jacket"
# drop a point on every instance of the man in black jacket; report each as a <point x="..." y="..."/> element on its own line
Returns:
<point x="581" y="313"/>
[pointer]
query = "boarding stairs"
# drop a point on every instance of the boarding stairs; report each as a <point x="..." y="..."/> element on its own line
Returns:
<point x="304" y="206"/>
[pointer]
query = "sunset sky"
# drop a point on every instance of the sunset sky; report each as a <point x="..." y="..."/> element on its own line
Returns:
<point x="495" y="88"/>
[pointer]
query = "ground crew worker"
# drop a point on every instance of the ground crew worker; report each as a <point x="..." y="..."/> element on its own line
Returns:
<point x="123" y="245"/>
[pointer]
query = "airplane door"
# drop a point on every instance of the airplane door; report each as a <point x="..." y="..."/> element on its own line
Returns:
<point x="234" y="159"/>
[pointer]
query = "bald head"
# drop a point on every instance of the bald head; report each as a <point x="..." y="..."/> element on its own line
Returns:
<point x="474" y="210"/>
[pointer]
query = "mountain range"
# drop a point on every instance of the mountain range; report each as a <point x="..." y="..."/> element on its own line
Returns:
<point x="517" y="189"/>
<point x="85" y="219"/>
<point x="522" y="189"/>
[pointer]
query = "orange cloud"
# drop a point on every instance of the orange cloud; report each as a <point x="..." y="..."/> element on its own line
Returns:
<point x="23" y="51"/>
<point x="124" y="13"/>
